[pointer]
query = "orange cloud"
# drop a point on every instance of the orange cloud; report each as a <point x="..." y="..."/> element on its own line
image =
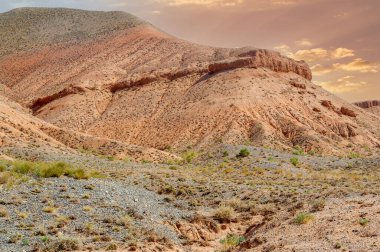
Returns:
<point x="342" y="85"/>
<point x="311" y="55"/>
<point x="358" y="65"/>
<point x="204" y="2"/>
<point x="303" y="42"/>
<point x="341" y="53"/>
<point x="319" y="69"/>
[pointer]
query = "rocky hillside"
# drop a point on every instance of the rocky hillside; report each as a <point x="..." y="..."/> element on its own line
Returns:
<point x="372" y="106"/>
<point x="113" y="76"/>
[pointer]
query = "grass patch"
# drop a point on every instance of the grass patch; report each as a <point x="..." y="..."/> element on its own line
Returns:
<point x="303" y="218"/>
<point x="224" y="214"/>
<point x="232" y="240"/>
<point x="51" y="170"/>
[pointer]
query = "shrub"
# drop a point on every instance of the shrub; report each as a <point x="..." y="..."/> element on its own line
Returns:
<point x="318" y="205"/>
<point x="112" y="247"/>
<point x="2" y="167"/>
<point x="188" y="156"/>
<point x="3" y="212"/>
<point x="49" y="209"/>
<point x="4" y="178"/>
<point x="49" y="170"/>
<point x="22" y="167"/>
<point x="294" y="161"/>
<point x="353" y="155"/>
<point x="64" y="244"/>
<point x="363" y="221"/>
<point x="303" y="218"/>
<point x="243" y="153"/>
<point x="224" y="214"/>
<point x="298" y="151"/>
<point x="232" y="240"/>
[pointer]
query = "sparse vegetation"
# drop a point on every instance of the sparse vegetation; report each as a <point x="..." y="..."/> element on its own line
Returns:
<point x="3" y="212"/>
<point x="189" y="156"/>
<point x="48" y="170"/>
<point x="224" y="214"/>
<point x="318" y="205"/>
<point x="303" y="218"/>
<point x="363" y="221"/>
<point x="243" y="153"/>
<point x="231" y="241"/>
<point x="298" y="150"/>
<point x="294" y="161"/>
<point x="353" y="155"/>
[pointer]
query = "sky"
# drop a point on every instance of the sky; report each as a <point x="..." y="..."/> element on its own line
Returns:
<point x="339" y="39"/>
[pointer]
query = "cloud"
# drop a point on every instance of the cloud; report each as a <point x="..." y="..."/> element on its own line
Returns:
<point x="311" y="55"/>
<point x="204" y="2"/>
<point x="342" y="85"/>
<point x="303" y="42"/>
<point x="358" y="65"/>
<point x="319" y="69"/>
<point x="341" y="53"/>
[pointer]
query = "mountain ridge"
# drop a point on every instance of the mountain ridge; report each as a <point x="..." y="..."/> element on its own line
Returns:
<point x="144" y="87"/>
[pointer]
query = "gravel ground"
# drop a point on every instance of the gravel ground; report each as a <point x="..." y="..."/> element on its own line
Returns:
<point x="71" y="197"/>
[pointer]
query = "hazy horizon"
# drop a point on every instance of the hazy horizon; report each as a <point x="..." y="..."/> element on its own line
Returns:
<point x="338" y="39"/>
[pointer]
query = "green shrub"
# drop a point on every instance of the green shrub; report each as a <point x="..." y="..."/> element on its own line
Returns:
<point x="51" y="170"/>
<point x="298" y="150"/>
<point x="294" y="161"/>
<point x="232" y="240"/>
<point x="2" y="167"/>
<point x="243" y="153"/>
<point x="303" y="218"/>
<point x="363" y="221"/>
<point x="189" y="156"/>
<point x="353" y="155"/>
<point x="23" y="167"/>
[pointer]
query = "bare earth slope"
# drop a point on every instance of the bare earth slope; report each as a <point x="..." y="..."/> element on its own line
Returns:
<point x="19" y="129"/>
<point x="118" y="77"/>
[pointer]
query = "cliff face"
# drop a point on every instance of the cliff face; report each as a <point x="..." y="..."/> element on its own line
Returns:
<point x="371" y="106"/>
<point x="368" y="104"/>
<point x="140" y="86"/>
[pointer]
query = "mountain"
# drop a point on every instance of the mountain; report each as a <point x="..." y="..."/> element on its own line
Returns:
<point x="114" y="76"/>
<point x="372" y="106"/>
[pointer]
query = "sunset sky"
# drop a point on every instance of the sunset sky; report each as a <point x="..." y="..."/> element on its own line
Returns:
<point x="340" y="39"/>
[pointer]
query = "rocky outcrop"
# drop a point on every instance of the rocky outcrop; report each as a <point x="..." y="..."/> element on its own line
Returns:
<point x="347" y="112"/>
<point x="368" y="104"/>
<point x="266" y="59"/>
<point x="40" y="102"/>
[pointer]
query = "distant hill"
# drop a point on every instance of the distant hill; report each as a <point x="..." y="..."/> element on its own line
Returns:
<point x="372" y="106"/>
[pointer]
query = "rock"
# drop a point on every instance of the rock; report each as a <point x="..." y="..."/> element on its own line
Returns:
<point x="298" y="85"/>
<point x="328" y="104"/>
<point x="347" y="112"/>
<point x="266" y="59"/>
